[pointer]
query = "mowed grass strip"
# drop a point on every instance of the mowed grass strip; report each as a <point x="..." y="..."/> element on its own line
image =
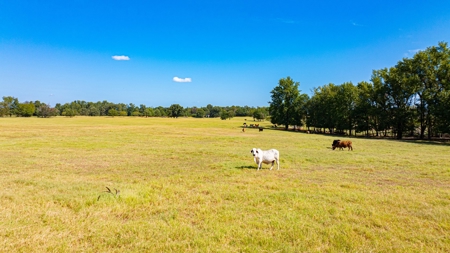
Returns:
<point x="190" y="185"/>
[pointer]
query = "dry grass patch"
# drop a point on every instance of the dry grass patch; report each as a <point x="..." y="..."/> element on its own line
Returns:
<point x="191" y="185"/>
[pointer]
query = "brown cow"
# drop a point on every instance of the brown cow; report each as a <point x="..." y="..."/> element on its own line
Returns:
<point x="342" y="144"/>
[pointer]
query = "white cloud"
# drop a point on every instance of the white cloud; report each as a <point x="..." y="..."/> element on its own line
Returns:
<point x="355" y="24"/>
<point x="121" y="58"/>
<point x="182" y="80"/>
<point x="412" y="52"/>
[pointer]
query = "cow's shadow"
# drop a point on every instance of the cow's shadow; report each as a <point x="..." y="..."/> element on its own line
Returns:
<point x="246" y="167"/>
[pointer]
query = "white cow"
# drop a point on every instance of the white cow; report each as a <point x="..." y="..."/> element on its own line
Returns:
<point x="266" y="156"/>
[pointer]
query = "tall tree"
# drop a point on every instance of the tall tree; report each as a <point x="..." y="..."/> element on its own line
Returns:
<point x="300" y="110"/>
<point x="260" y="114"/>
<point x="364" y="107"/>
<point x="46" y="111"/>
<point x="175" y="110"/>
<point x="429" y="70"/>
<point x="200" y="113"/>
<point x="345" y="105"/>
<point x="323" y="107"/>
<point x="215" y="112"/>
<point x="131" y="108"/>
<point x="113" y="112"/>
<point x="148" y="112"/>
<point x="9" y="106"/>
<point x="142" y="109"/>
<point x="400" y="95"/>
<point x="69" y="112"/>
<point x="93" y="111"/>
<point x="26" y="109"/>
<point x="442" y="112"/>
<point x="224" y="114"/>
<point x="282" y="107"/>
<point x="381" y="112"/>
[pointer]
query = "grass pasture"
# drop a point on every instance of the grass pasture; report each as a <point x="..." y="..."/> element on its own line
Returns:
<point x="190" y="185"/>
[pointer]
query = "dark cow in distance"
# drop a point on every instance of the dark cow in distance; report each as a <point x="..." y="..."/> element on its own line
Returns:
<point x="342" y="144"/>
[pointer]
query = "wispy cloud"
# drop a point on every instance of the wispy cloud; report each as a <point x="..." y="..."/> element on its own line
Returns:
<point x="121" y="58"/>
<point x="356" y="24"/>
<point x="182" y="80"/>
<point x="286" y="21"/>
<point x="412" y="52"/>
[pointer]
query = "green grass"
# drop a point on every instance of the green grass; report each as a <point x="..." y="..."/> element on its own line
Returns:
<point x="190" y="185"/>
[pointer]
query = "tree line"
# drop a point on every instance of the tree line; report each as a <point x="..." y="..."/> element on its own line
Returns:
<point x="10" y="106"/>
<point x="411" y="98"/>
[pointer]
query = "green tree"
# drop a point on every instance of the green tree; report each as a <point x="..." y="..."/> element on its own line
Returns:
<point x="260" y="114"/>
<point x="142" y="109"/>
<point x="442" y="112"/>
<point x="9" y="106"/>
<point x="93" y="111"/>
<point x="200" y="113"/>
<point x="157" y="113"/>
<point x="186" y="112"/>
<point x="243" y="111"/>
<point x="428" y="70"/>
<point x="214" y="112"/>
<point x="231" y="113"/>
<point x="381" y="121"/>
<point x="175" y="110"/>
<point x="345" y="105"/>
<point x="364" y="107"/>
<point x="104" y="107"/>
<point x="209" y="107"/>
<point x="400" y="95"/>
<point x="131" y="108"/>
<point x="121" y="107"/>
<point x="37" y="104"/>
<point x="59" y="108"/>
<point x="323" y="107"/>
<point x="135" y="113"/>
<point x="224" y="115"/>
<point x="26" y="109"/>
<point x="113" y="112"/>
<point x="161" y="111"/>
<point x="76" y="107"/>
<point x="69" y="112"/>
<point x="300" y="106"/>
<point x="148" y="112"/>
<point x="282" y="107"/>
<point x="84" y="111"/>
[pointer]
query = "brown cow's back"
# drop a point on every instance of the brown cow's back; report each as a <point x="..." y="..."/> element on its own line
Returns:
<point x="343" y="144"/>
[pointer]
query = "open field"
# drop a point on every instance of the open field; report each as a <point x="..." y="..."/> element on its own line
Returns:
<point x="190" y="185"/>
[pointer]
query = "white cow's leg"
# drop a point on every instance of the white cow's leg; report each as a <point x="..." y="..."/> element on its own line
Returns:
<point x="272" y="165"/>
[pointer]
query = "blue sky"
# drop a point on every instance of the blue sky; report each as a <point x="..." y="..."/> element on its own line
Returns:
<point x="195" y="53"/>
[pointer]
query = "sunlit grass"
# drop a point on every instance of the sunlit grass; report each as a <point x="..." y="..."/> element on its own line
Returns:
<point x="190" y="185"/>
